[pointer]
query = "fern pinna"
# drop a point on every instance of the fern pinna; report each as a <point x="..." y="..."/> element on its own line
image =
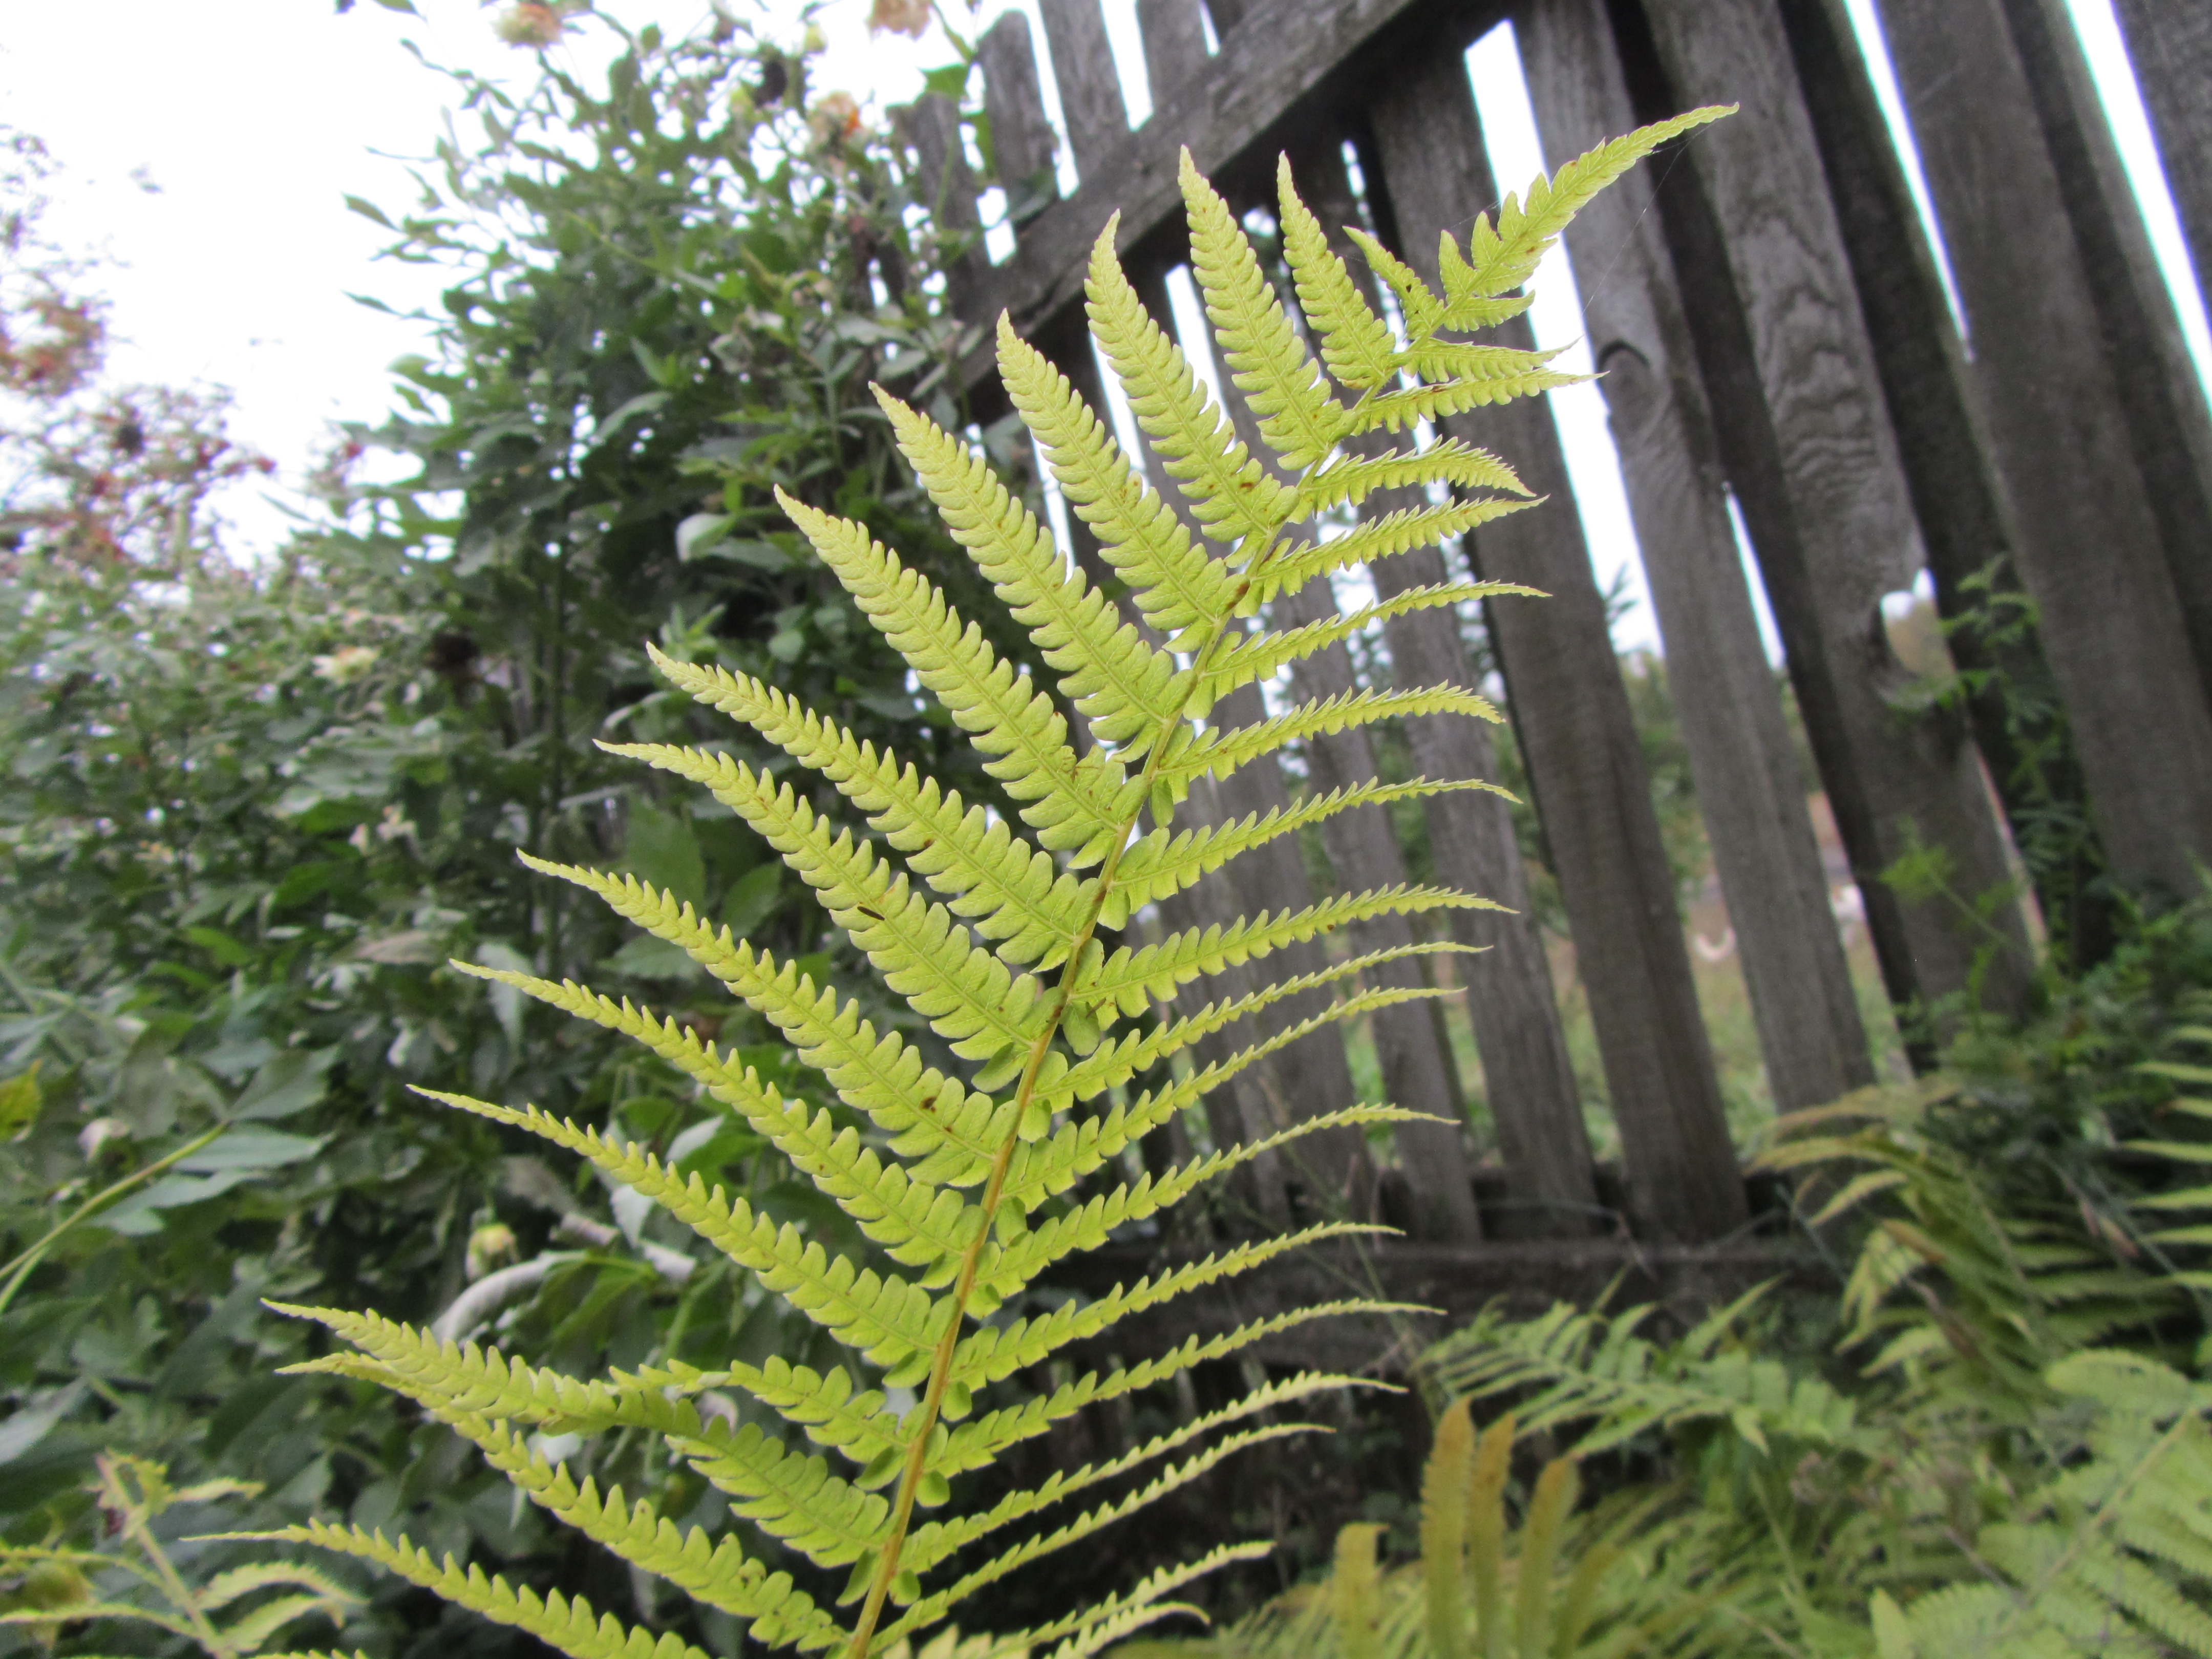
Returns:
<point x="965" y="1182"/>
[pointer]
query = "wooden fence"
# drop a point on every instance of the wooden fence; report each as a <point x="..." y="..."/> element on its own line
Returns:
<point x="1770" y="322"/>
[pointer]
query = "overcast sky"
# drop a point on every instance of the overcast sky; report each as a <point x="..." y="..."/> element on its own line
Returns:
<point x="206" y="151"/>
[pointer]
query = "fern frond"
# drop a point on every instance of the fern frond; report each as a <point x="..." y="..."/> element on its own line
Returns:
<point x="994" y="1352"/>
<point x="1232" y="496"/>
<point x="891" y="1320"/>
<point x="1222" y="751"/>
<point x="1130" y="692"/>
<point x="1576" y="1366"/>
<point x="1260" y="656"/>
<point x="952" y="1135"/>
<point x="1155" y="970"/>
<point x="1001" y="886"/>
<point x="566" y="1624"/>
<point x="1385" y="538"/>
<point x="1264" y="351"/>
<point x="1356" y="344"/>
<point x="1080" y="803"/>
<point x="716" y="1574"/>
<point x="927" y="1546"/>
<point x="1348" y="479"/>
<point x="967" y="994"/>
<point x="1446" y="1484"/>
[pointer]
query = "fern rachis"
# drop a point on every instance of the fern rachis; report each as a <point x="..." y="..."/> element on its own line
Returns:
<point x="949" y="1171"/>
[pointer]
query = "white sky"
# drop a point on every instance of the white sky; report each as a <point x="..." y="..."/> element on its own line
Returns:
<point x="231" y="263"/>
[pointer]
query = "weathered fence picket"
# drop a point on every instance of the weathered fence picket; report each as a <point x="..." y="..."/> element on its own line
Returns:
<point x="2170" y="44"/>
<point x="1767" y="314"/>
<point x="2113" y="625"/>
<point x="1742" y="761"/>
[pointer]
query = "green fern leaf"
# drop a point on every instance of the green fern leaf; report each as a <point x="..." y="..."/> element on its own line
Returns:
<point x="886" y="1318"/>
<point x="1131" y="693"/>
<point x="1005" y="887"/>
<point x="970" y="1187"/>
<point x="566" y="1624"/>
<point x="1265" y="354"/>
<point x="1349" y="479"/>
<point x="1080" y="803"/>
<point x="1178" y="588"/>
<point x="1233" y="497"/>
<point x="1356" y="344"/>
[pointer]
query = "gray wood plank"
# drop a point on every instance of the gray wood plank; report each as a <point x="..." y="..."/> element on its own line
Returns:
<point x="2112" y="624"/>
<point x="1741" y="760"/>
<point x="2170" y="44"/>
<point x="1572" y="715"/>
<point x="1965" y="516"/>
<point x="1022" y="138"/>
<point x="2169" y="427"/>
<point x="1173" y="33"/>
<point x="1090" y="90"/>
<point x="1813" y="462"/>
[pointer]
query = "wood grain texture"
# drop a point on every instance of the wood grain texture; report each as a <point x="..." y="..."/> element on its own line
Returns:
<point x="2112" y="623"/>
<point x="1022" y="139"/>
<point x="1090" y="90"/>
<point x="1966" y="521"/>
<point x="1741" y="760"/>
<point x="1797" y="407"/>
<point x="2169" y="428"/>
<point x="1573" y="716"/>
<point x="2170" y="44"/>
